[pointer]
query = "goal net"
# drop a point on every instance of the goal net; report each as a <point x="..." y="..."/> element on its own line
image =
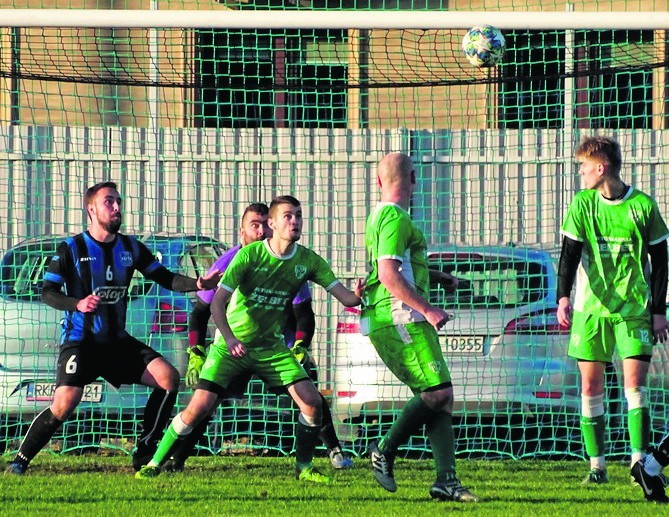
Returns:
<point x="197" y="114"/>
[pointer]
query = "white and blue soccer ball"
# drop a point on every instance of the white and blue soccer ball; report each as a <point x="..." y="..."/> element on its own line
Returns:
<point x="484" y="45"/>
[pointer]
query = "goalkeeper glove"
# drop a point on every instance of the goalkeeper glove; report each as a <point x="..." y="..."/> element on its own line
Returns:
<point x="196" y="357"/>
<point x="301" y="353"/>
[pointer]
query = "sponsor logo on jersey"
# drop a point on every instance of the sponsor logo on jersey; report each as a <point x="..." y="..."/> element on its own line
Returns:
<point x="300" y="271"/>
<point x="126" y="258"/>
<point x="87" y="259"/>
<point x="110" y="294"/>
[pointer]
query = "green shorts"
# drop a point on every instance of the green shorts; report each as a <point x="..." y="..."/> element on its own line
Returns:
<point x="413" y="354"/>
<point x="594" y="338"/>
<point x="276" y="365"/>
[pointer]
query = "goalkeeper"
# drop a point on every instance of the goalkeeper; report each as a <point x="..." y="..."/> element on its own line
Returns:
<point x="298" y="333"/>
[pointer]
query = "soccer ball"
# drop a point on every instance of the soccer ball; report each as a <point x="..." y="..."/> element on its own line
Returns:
<point x="484" y="45"/>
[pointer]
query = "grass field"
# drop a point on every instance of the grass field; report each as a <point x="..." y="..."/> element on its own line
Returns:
<point x="251" y="485"/>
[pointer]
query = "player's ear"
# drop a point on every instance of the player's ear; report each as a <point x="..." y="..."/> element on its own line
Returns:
<point x="378" y="180"/>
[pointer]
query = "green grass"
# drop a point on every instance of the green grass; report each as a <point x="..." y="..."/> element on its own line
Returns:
<point x="250" y="485"/>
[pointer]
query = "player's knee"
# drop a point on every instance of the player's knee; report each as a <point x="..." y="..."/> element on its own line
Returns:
<point x="592" y="406"/>
<point x="168" y="377"/>
<point x="636" y="398"/>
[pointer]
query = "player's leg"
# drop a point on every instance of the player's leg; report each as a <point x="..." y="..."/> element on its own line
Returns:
<point x="593" y="419"/>
<point x="402" y="348"/>
<point x="216" y="373"/>
<point x="308" y="399"/>
<point x="328" y="434"/>
<point x="592" y="342"/>
<point x="143" y="365"/>
<point x="44" y="426"/>
<point x="185" y="447"/>
<point x="635" y="341"/>
<point x="199" y="408"/>
<point x="635" y="372"/>
<point x="76" y="367"/>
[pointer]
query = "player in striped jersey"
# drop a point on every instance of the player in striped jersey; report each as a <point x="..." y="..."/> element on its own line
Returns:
<point x="88" y="278"/>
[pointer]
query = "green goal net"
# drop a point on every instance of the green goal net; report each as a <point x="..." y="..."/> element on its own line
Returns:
<point x="198" y="113"/>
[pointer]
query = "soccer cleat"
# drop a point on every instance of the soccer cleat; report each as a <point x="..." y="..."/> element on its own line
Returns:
<point x="652" y="486"/>
<point x="313" y="475"/>
<point x="338" y="460"/>
<point x="452" y="491"/>
<point x="173" y="465"/>
<point x="382" y="465"/>
<point x="16" y="468"/>
<point x="147" y="472"/>
<point x="596" y="477"/>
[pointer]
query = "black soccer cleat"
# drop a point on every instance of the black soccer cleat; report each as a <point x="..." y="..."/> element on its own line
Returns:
<point x="652" y="486"/>
<point x="452" y="491"/>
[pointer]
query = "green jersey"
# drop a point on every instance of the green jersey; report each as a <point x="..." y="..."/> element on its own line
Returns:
<point x="264" y="286"/>
<point x="613" y="277"/>
<point x="391" y="234"/>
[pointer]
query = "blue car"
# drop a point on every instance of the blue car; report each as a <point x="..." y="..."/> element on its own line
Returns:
<point x="30" y="330"/>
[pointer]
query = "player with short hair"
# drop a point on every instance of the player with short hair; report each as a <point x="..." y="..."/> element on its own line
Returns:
<point x="402" y="325"/>
<point x="614" y="238"/>
<point x="249" y="310"/>
<point x="298" y="333"/>
<point x="88" y="278"/>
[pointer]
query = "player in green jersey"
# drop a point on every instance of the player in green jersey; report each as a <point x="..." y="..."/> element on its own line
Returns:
<point x="614" y="239"/>
<point x="402" y="325"/>
<point x="249" y="310"/>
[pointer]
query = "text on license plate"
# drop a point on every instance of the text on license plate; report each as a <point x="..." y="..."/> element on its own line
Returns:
<point x="464" y="344"/>
<point x="43" y="391"/>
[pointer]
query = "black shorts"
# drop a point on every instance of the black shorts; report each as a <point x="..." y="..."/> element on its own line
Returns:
<point x="118" y="362"/>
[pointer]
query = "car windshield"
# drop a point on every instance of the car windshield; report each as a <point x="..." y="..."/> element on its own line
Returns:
<point x="23" y="270"/>
<point x="487" y="281"/>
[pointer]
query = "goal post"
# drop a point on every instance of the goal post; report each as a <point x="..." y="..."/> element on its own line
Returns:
<point x="308" y="19"/>
<point x="197" y="113"/>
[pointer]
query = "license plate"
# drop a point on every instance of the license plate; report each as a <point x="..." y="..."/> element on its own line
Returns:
<point x="43" y="391"/>
<point x="464" y="344"/>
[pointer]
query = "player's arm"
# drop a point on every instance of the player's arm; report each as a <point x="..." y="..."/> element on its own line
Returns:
<point x="446" y="280"/>
<point x="54" y="279"/>
<point x="570" y="256"/>
<point x="658" y="289"/>
<point x="347" y="297"/>
<point x="149" y="266"/>
<point x="391" y="277"/>
<point x="197" y="325"/>
<point x="218" y="311"/>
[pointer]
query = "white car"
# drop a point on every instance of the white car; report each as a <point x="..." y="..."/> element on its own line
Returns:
<point x="504" y="348"/>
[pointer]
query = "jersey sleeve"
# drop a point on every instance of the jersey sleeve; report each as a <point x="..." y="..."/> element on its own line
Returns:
<point x="322" y="273"/>
<point x="572" y="226"/>
<point x="658" y="231"/>
<point x="60" y="264"/>
<point x="145" y="262"/>
<point x="393" y="233"/>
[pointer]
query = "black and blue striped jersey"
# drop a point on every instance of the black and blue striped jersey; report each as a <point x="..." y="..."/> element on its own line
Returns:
<point x="83" y="266"/>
